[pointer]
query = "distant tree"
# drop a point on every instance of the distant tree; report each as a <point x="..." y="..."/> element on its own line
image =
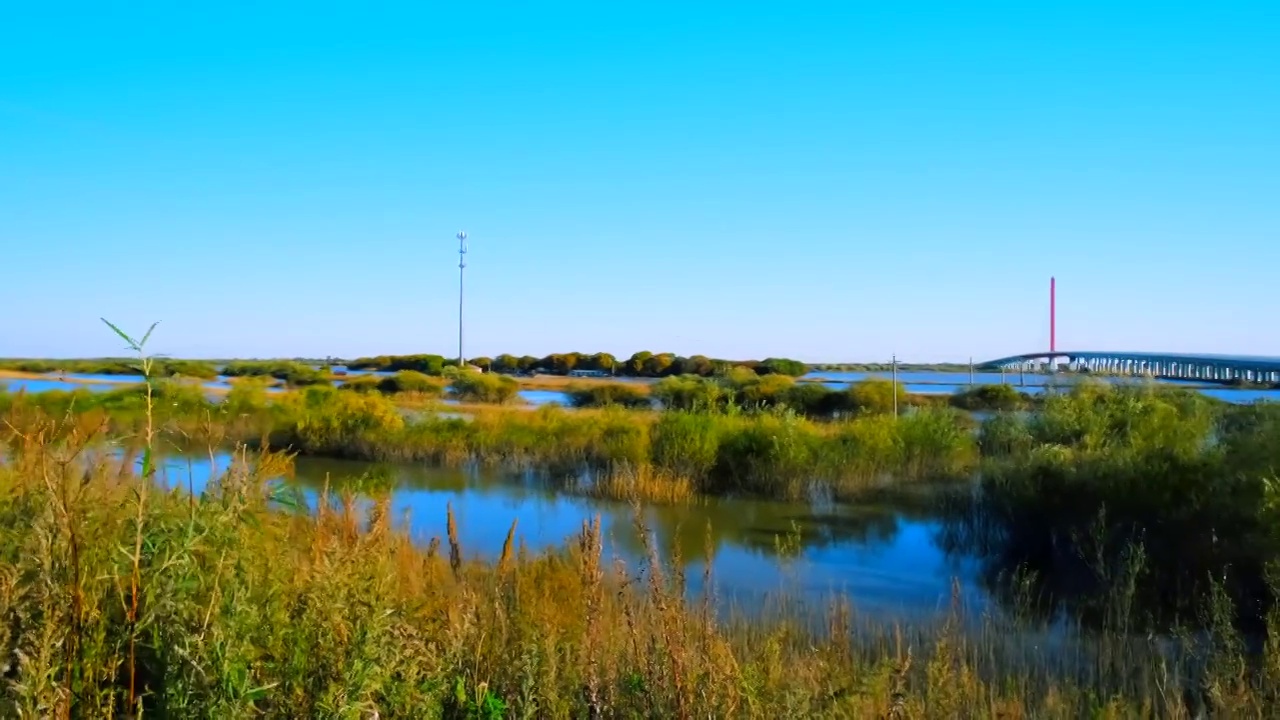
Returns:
<point x="369" y="363"/>
<point x="658" y="365"/>
<point x="482" y="362"/>
<point x="527" y="363"/>
<point x="782" y="366"/>
<point x="565" y="363"/>
<point x="635" y="366"/>
<point x="700" y="365"/>
<point x="425" y="364"/>
<point x="721" y="368"/>
<point x="506" y="363"/>
<point x="601" y="361"/>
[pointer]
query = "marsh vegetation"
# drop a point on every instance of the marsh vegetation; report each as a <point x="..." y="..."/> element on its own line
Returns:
<point x="1136" y="529"/>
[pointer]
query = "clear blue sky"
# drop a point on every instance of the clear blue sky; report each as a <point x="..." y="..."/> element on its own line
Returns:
<point x="834" y="181"/>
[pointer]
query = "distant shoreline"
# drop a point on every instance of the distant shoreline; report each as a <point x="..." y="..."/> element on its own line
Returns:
<point x="562" y="382"/>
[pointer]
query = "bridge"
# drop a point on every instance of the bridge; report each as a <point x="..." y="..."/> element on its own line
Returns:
<point x="1178" y="366"/>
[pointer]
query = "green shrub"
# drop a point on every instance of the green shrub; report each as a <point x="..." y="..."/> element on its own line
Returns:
<point x="762" y="391"/>
<point x="990" y="397"/>
<point x="361" y="383"/>
<point x="817" y="400"/>
<point x="484" y="387"/>
<point x="628" y="395"/>
<point x="687" y="392"/>
<point x="292" y="373"/>
<point x="781" y="366"/>
<point x="412" y="383"/>
<point x="875" y="396"/>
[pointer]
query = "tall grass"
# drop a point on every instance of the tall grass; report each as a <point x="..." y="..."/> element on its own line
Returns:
<point x="234" y="604"/>
<point x="1070" y="492"/>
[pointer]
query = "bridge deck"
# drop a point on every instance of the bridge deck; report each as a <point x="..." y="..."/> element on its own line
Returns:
<point x="1174" y="365"/>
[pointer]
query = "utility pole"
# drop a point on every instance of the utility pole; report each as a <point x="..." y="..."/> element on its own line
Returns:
<point x="971" y="371"/>
<point x="895" y="385"/>
<point x="462" y="266"/>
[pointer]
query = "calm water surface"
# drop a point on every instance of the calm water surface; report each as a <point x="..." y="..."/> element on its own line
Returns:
<point x="884" y="556"/>
<point x="33" y="385"/>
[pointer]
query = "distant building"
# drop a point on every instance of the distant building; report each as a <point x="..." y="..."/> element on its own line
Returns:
<point x="588" y="373"/>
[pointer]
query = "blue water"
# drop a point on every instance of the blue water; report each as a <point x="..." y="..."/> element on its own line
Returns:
<point x="357" y="373"/>
<point x="544" y="397"/>
<point x="101" y="378"/>
<point x="885" y="558"/>
<point x="32" y="385"/>
<point x="537" y="398"/>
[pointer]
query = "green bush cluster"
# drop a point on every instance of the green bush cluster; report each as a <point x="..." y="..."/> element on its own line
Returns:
<point x="426" y="364"/>
<point x="405" y="382"/>
<point x="292" y="373"/>
<point x="478" y="387"/>
<point x="608" y="394"/>
<point x="991" y="397"/>
<point x="743" y="388"/>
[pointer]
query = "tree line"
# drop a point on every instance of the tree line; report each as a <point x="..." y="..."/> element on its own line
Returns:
<point x="640" y="364"/>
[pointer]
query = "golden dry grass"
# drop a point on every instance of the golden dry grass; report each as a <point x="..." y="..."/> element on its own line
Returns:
<point x="644" y="484"/>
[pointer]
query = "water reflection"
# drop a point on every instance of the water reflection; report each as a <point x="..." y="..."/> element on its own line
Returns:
<point x="883" y="555"/>
<point x="1056" y="559"/>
